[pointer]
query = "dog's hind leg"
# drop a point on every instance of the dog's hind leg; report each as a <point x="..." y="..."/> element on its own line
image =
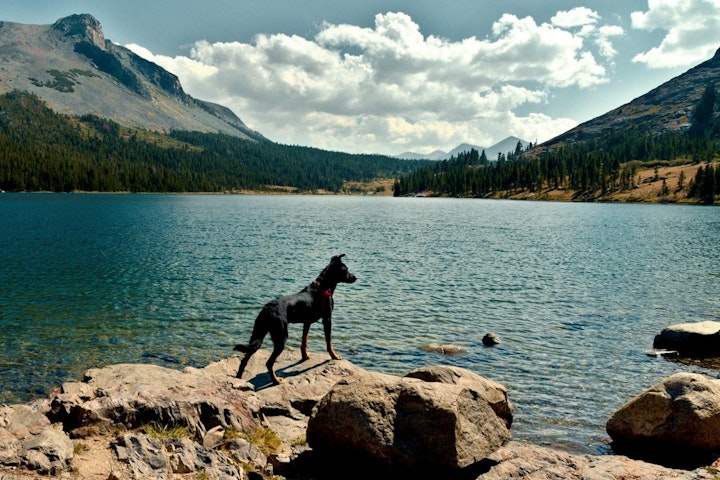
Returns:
<point x="256" y="340"/>
<point x="304" y="341"/>
<point x="279" y="339"/>
<point x="249" y="351"/>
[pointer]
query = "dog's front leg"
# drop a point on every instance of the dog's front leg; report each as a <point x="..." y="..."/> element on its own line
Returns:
<point x="327" y="325"/>
<point x="304" y="341"/>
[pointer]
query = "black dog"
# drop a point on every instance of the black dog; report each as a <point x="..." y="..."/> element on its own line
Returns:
<point x="312" y="303"/>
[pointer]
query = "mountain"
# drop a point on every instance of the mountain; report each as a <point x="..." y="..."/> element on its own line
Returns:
<point x="76" y="71"/>
<point x="504" y="146"/>
<point x="434" y="155"/>
<point x="667" y="108"/>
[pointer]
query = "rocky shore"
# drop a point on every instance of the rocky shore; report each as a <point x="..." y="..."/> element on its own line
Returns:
<point x="328" y="419"/>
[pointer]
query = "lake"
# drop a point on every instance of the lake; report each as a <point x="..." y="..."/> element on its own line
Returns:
<point x="575" y="292"/>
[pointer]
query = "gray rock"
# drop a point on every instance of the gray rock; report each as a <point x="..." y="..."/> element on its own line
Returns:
<point x="406" y="422"/>
<point x="9" y="448"/>
<point x="243" y="451"/>
<point x="493" y="392"/>
<point x="146" y="456"/>
<point x="22" y="421"/>
<point x="681" y="414"/>
<point x="182" y="456"/>
<point x="490" y="339"/>
<point x="159" y="458"/>
<point x="50" y="451"/>
<point x="518" y="460"/>
<point x="690" y="339"/>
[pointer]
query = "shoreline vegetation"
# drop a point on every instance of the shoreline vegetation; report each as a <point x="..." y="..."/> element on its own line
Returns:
<point x="662" y="185"/>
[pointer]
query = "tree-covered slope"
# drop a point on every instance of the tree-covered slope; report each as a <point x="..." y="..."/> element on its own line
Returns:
<point x="41" y="150"/>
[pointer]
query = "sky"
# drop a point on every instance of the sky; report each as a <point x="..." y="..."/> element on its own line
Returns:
<point x="371" y="76"/>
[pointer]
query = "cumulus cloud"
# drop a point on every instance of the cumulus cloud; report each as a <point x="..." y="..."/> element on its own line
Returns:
<point x="603" y="40"/>
<point x="389" y="88"/>
<point x="577" y="17"/>
<point x="691" y="25"/>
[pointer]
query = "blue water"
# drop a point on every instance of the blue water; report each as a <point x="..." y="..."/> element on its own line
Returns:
<point x="576" y="292"/>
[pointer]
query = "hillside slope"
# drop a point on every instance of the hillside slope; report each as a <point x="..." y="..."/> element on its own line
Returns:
<point x="667" y="108"/>
<point x="76" y="71"/>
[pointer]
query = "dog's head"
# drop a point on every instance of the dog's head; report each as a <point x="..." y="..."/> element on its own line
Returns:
<point x="338" y="272"/>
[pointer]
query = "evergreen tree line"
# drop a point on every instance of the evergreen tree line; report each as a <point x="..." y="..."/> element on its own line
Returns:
<point x="706" y="184"/>
<point x="41" y="150"/>
<point x="601" y="164"/>
<point x="596" y="165"/>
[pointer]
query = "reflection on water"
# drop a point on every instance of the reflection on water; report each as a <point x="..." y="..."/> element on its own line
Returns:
<point x="576" y="292"/>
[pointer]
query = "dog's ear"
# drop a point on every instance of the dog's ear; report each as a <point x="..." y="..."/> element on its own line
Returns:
<point x="337" y="258"/>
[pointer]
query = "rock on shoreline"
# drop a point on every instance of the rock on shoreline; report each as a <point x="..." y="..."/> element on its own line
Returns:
<point x="98" y="427"/>
<point x="697" y="339"/>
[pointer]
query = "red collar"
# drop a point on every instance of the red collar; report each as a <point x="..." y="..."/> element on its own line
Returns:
<point x="326" y="293"/>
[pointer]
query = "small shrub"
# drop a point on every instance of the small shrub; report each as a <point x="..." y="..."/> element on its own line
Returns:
<point x="79" y="447"/>
<point x="265" y="439"/>
<point x="299" y="442"/>
<point x="159" y="431"/>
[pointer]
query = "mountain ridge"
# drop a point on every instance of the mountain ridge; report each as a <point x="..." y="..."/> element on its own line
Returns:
<point x="666" y="108"/>
<point x="76" y="71"/>
<point x="502" y="147"/>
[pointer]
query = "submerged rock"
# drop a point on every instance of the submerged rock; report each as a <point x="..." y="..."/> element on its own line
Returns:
<point x="445" y="349"/>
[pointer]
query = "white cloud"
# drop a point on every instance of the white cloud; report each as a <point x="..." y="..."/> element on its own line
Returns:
<point x="603" y="40"/>
<point x="692" y="28"/>
<point x="577" y="17"/>
<point x="390" y="88"/>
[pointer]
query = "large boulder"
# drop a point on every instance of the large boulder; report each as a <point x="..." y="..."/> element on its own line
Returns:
<point x="672" y="422"/>
<point x="493" y="392"/>
<point x="132" y="395"/>
<point x="699" y="339"/>
<point x="407" y="422"/>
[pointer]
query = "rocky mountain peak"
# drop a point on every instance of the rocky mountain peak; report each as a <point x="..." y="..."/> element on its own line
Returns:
<point x="81" y="25"/>
<point x="73" y="68"/>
